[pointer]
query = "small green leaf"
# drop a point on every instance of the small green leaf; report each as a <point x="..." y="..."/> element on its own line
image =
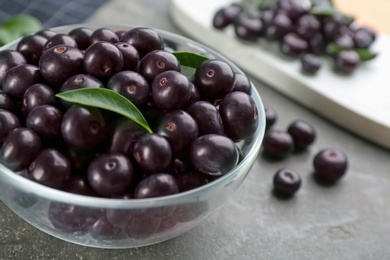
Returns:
<point x="188" y="72"/>
<point x="106" y="99"/>
<point x="364" y="54"/>
<point x="327" y="10"/>
<point x="17" y="27"/>
<point x="190" y="59"/>
<point x="264" y="4"/>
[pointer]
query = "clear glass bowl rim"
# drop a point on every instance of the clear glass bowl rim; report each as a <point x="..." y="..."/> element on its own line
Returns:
<point x="180" y="198"/>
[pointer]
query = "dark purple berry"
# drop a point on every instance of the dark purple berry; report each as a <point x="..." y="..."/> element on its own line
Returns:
<point x="292" y="44"/>
<point x="170" y="90"/>
<point x="83" y="128"/>
<point x="214" y="79"/>
<point x="78" y="184"/>
<point x="179" y="128"/>
<point x="9" y="59"/>
<point x="152" y="153"/>
<point x="31" y="46"/>
<point x="330" y="164"/>
<point x="19" y="148"/>
<point x="18" y="79"/>
<point x="130" y="55"/>
<point x="111" y="174"/>
<point x="156" y="62"/>
<point x="248" y="28"/>
<point x="270" y="117"/>
<point x="132" y="86"/>
<point x="105" y="35"/>
<point x="144" y="39"/>
<point x="226" y="15"/>
<point x="287" y="181"/>
<point x="190" y="180"/>
<point x="7" y="102"/>
<point x="46" y="33"/>
<point x="59" y="39"/>
<point x="50" y="168"/>
<point x="277" y="144"/>
<point x="102" y="60"/>
<point x="66" y="59"/>
<point x="242" y="83"/>
<point x="308" y="26"/>
<point x="8" y="122"/>
<point x="213" y="154"/>
<point x="207" y="118"/>
<point x="156" y="185"/>
<point x="362" y="39"/>
<point x="239" y="115"/>
<point x="347" y="61"/>
<point x="45" y="120"/>
<point x="310" y="63"/>
<point x="81" y="35"/>
<point x="37" y="95"/>
<point x="302" y="133"/>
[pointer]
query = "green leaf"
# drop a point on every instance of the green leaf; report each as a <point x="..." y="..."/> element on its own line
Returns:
<point x="364" y="54"/>
<point x="264" y="4"/>
<point x="106" y="99"/>
<point x="190" y="59"/>
<point x="18" y="26"/>
<point x="327" y="10"/>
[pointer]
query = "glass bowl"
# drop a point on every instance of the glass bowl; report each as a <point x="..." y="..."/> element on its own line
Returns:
<point x="118" y="223"/>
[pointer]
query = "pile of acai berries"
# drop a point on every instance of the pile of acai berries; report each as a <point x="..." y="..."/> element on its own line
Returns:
<point x="308" y="31"/>
<point x="195" y="123"/>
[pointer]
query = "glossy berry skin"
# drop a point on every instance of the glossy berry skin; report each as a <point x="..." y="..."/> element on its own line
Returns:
<point x="302" y="133"/>
<point x="31" y="46"/>
<point x="144" y="39"/>
<point x="132" y="86"/>
<point x="226" y="15"/>
<point x="242" y="83"/>
<point x="307" y="26"/>
<point x="46" y="33"/>
<point x="45" y="120"/>
<point x="330" y="164"/>
<point x="19" y="148"/>
<point x="130" y="55"/>
<point x="124" y="134"/>
<point x="277" y="144"/>
<point x="105" y="35"/>
<point x="310" y="63"/>
<point x="347" y="61"/>
<point x="67" y="59"/>
<point x="239" y="115"/>
<point x="18" y="79"/>
<point x="194" y="97"/>
<point x="110" y="174"/>
<point x="214" y="79"/>
<point x="102" y="60"/>
<point x="81" y="36"/>
<point x="152" y="153"/>
<point x="281" y="25"/>
<point x="9" y="59"/>
<point x="8" y="122"/>
<point x="293" y="44"/>
<point x="207" y="118"/>
<point x="156" y="62"/>
<point x="292" y="8"/>
<point x="248" y="28"/>
<point x="60" y="39"/>
<point x="102" y="229"/>
<point x="213" y="154"/>
<point x="170" y="90"/>
<point x="286" y="181"/>
<point x="37" y="95"/>
<point x="83" y="128"/>
<point x="270" y="117"/>
<point x="7" y="102"/>
<point x="156" y="185"/>
<point x="50" y="168"/>
<point x="363" y="39"/>
<point x="179" y="128"/>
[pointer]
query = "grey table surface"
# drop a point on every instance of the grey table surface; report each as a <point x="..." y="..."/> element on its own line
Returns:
<point x="349" y="220"/>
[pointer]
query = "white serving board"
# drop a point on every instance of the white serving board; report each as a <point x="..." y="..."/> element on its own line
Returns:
<point x="359" y="102"/>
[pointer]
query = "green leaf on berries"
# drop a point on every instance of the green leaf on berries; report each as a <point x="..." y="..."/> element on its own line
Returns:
<point x="189" y="61"/>
<point x="18" y="26"/>
<point x="327" y="10"/>
<point x="364" y="54"/>
<point x="105" y="99"/>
